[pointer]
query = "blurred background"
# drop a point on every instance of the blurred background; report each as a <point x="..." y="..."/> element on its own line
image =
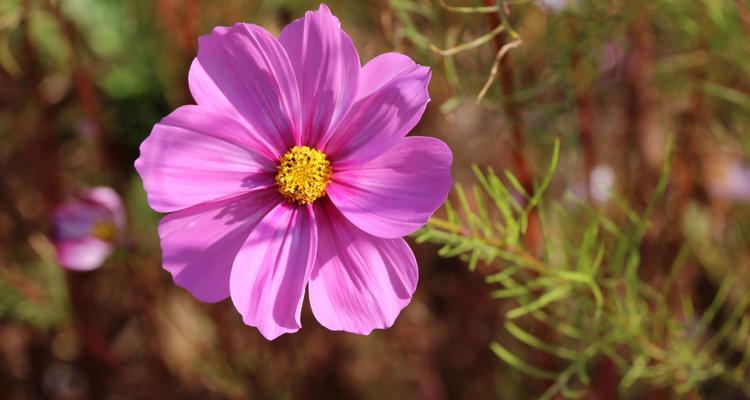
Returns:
<point x="618" y="82"/>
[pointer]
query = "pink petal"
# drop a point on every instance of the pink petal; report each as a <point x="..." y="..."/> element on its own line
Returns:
<point x="110" y="200"/>
<point x="251" y="70"/>
<point x="195" y="155"/>
<point x="391" y="99"/>
<point x="272" y="269"/>
<point x="84" y="254"/>
<point x="326" y="64"/>
<point x="75" y="219"/>
<point x="396" y="193"/>
<point x="200" y="243"/>
<point x="359" y="282"/>
<point x="206" y="94"/>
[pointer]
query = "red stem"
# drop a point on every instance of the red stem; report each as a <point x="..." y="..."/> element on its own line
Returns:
<point x="84" y="86"/>
<point x="744" y="13"/>
<point x="506" y="80"/>
<point x="585" y="110"/>
<point x="513" y="112"/>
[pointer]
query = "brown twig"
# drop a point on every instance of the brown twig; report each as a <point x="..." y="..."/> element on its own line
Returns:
<point x="513" y="113"/>
<point x="179" y="21"/>
<point x="506" y="79"/>
<point x="744" y="13"/>
<point x="84" y="85"/>
<point x="42" y="150"/>
<point x="639" y="89"/>
<point x="585" y="111"/>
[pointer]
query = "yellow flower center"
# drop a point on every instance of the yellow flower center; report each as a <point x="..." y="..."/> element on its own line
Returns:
<point x="302" y="174"/>
<point x="104" y="230"/>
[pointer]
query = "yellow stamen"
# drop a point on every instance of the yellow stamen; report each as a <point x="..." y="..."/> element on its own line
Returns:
<point x="302" y="174"/>
<point x="104" y="230"/>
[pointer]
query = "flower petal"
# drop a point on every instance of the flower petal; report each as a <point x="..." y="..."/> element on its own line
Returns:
<point x="200" y="243"/>
<point x="84" y="254"/>
<point x="360" y="282"/>
<point x="396" y="193"/>
<point x="110" y="200"/>
<point x="75" y="219"/>
<point x="252" y="71"/>
<point x="391" y="99"/>
<point x="272" y="269"/>
<point x="327" y="66"/>
<point x="195" y="155"/>
<point x="206" y="94"/>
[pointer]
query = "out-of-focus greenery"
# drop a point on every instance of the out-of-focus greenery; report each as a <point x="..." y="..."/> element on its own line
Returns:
<point x="592" y="290"/>
<point x="602" y="164"/>
<point x="587" y="289"/>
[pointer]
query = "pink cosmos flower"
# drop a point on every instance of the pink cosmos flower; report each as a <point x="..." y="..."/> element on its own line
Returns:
<point x="86" y="228"/>
<point x="731" y="181"/>
<point x="293" y="172"/>
<point x="555" y="5"/>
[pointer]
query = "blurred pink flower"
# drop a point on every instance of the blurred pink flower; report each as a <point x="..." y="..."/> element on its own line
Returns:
<point x="611" y="60"/>
<point x="86" y="228"/>
<point x="732" y="182"/>
<point x="601" y="183"/>
<point x="555" y="5"/>
<point x="292" y="172"/>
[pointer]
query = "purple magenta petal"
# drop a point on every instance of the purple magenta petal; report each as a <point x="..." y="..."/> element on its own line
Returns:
<point x="359" y="282"/>
<point x="391" y="99"/>
<point x="207" y="95"/>
<point x="110" y="200"/>
<point x="251" y="70"/>
<point x="84" y="254"/>
<point x="271" y="271"/>
<point x="327" y="66"/>
<point x="201" y="243"/>
<point x="75" y="225"/>
<point x="733" y="182"/>
<point x="76" y="218"/>
<point x="395" y="194"/>
<point x="195" y="155"/>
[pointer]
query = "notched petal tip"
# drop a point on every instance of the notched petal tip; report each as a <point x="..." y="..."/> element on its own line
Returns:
<point x="271" y="271"/>
<point x="360" y="282"/>
<point x="251" y="70"/>
<point x="323" y="10"/>
<point x="327" y="67"/>
<point x="391" y="98"/>
<point x="270" y="334"/>
<point x="223" y="30"/>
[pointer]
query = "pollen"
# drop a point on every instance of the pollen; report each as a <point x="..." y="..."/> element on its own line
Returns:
<point x="104" y="230"/>
<point x="302" y="174"/>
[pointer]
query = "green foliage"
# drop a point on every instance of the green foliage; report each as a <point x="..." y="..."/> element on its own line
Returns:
<point x="578" y="283"/>
<point x="44" y="278"/>
<point x="589" y="291"/>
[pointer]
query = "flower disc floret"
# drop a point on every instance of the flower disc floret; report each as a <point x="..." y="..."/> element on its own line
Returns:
<point x="303" y="174"/>
<point x="104" y="230"/>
